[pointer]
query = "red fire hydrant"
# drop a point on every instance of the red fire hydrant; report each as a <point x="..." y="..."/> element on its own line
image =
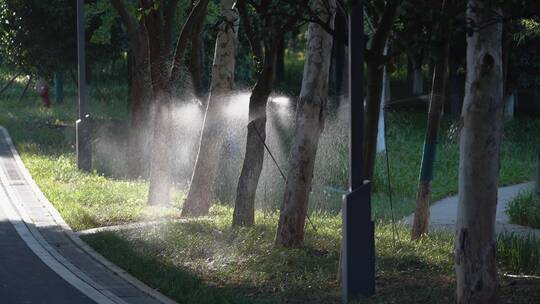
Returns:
<point x="44" y="93"/>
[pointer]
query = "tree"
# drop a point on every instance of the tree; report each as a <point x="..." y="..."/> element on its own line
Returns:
<point x="139" y="93"/>
<point x="39" y="37"/>
<point x="310" y="116"/>
<point x="274" y="19"/>
<point x="436" y="102"/>
<point x="199" y="195"/>
<point x="165" y="71"/>
<point x="375" y="60"/>
<point x="479" y="156"/>
<point x="196" y="59"/>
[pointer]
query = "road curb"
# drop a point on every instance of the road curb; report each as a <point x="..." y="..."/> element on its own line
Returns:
<point x="74" y="236"/>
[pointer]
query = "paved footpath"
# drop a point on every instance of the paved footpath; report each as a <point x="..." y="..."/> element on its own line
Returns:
<point x="42" y="260"/>
<point x="442" y="214"/>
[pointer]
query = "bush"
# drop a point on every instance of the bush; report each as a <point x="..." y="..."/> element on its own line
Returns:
<point x="525" y="209"/>
<point x="519" y="254"/>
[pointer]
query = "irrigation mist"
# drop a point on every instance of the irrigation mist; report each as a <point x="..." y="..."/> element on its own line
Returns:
<point x="330" y="176"/>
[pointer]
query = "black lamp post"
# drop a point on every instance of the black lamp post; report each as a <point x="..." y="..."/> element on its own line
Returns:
<point x="82" y="125"/>
<point x="358" y="256"/>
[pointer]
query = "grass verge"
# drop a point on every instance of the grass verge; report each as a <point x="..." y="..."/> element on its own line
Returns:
<point x="525" y="209"/>
<point x="207" y="261"/>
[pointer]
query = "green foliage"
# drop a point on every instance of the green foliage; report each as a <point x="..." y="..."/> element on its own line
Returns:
<point x="525" y="209"/>
<point x="40" y="37"/>
<point x="103" y="10"/>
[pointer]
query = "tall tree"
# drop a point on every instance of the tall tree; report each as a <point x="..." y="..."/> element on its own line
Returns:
<point x="310" y="116"/>
<point x="139" y="92"/>
<point x="213" y="134"/>
<point x="375" y="60"/>
<point x="196" y="59"/>
<point x="165" y="72"/>
<point x="275" y="19"/>
<point x="479" y="156"/>
<point x="436" y="102"/>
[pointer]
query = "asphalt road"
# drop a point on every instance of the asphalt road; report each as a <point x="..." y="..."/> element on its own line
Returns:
<point x="25" y="279"/>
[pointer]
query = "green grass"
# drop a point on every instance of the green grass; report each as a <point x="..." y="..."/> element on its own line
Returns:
<point x="85" y="200"/>
<point x="219" y="264"/>
<point x="525" y="209"/>
<point x="519" y="254"/>
<point x="206" y="261"/>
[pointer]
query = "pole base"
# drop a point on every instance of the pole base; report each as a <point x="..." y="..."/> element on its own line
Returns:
<point x="358" y="256"/>
<point x="83" y="144"/>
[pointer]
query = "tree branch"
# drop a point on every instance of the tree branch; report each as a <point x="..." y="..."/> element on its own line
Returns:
<point x="198" y="11"/>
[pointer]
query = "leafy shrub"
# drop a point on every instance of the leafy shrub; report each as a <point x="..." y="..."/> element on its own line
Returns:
<point x="519" y="254"/>
<point x="525" y="209"/>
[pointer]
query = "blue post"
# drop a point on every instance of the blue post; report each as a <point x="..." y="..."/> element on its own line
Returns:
<point x="82" y="125"/>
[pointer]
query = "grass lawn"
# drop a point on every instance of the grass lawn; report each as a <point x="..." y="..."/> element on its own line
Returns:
<point x="206" y="261"/>
<point x="525" y="209"/>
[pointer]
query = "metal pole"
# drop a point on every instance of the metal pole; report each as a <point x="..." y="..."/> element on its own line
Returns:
<point x="358" y="255"/>
<point x="82" y="125"/>
<point x="356" y="94"/>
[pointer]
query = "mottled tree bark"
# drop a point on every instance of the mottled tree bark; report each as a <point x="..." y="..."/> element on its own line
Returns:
<point x="310" y="116"/>
<point x="140" y="98"/>
<point x="199" y="196"/>
<point x="479" y="158"/>
<point x="139" y="90"/>
<point x="244" y="207"/>
<point x="165" y="72"/>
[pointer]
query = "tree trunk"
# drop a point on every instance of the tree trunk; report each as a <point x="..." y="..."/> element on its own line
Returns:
<point x="538" y="177"/>
<point x="374" y="78"/>
<point x="455" y="89"/>
<point x="310" y="116"/>
<point x="140" y="97"/>
<point x="436" y="103"/>
<point x="385" y="97"/>
<point x="196" y="60"/>
<point x="160" y="154"/>
<point x="374" y="63"/>
<point x="59" y="87"/>
<point x="244" y="206"/>
<point x="165" y="71"/>
<point x="418" y="79"/>
<point x="199" y="196"/>
<point x="280" y="60"/>
<point x="340" y="57"/>
<point x="479" y="158"/>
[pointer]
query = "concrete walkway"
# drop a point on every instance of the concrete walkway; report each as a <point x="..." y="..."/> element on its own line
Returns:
<point x="442" y="214"/>
<point x="41" y="259"/>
